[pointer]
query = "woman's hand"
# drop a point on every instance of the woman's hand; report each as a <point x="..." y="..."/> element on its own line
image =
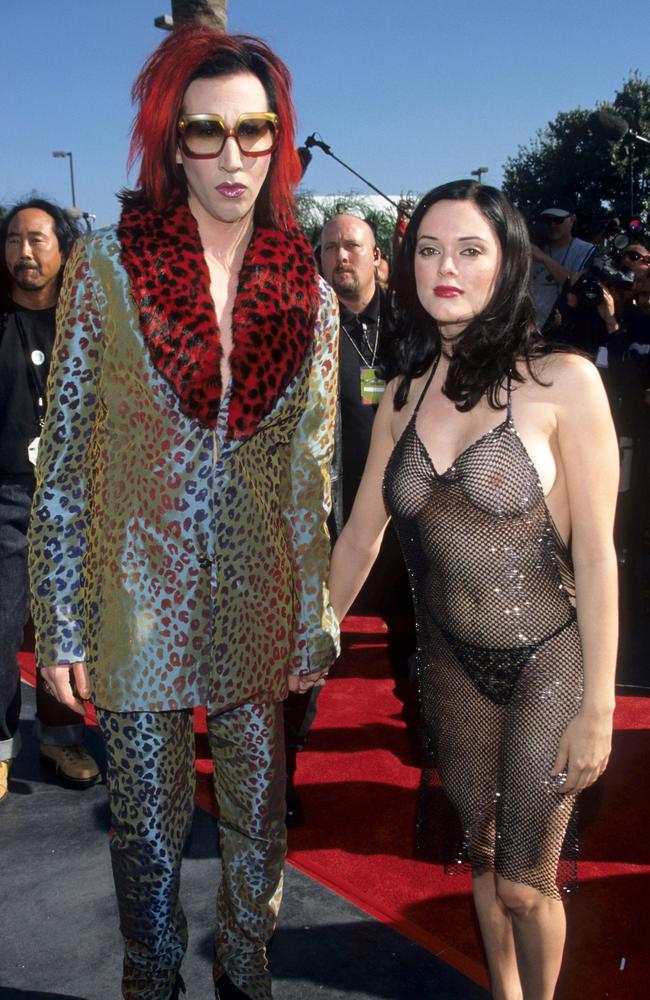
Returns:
<point x="584" y="751"/>
<point x="58" y="683"/>
<point x="301" y="683"/>
<point x="590" y="462"/>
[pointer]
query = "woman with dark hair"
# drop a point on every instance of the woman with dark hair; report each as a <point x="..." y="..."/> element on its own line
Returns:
<point x="179" y="542"/>
<point x="497" y="460"/>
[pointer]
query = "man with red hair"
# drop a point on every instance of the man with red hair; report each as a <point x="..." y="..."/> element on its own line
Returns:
<point x="179" y="546"/>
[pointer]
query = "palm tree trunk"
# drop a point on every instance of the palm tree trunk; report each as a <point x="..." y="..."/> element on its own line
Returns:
<point x="212" y="13"/>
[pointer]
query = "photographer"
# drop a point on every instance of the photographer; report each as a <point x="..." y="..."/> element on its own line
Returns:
<point x="557" y="256"/>
<point x="587" y="315"/>
<point x="598" y="313"/>
<point x="629" y="349"/>
<point x="629" y="375"/>
<point x="603" y="312"/>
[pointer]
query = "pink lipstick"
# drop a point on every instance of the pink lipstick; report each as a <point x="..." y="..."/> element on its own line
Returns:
<point x="231" y="190"/>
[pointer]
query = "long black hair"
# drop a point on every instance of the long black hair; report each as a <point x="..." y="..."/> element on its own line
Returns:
<point x="65" y="228"/>
<point x="492" y="343"/>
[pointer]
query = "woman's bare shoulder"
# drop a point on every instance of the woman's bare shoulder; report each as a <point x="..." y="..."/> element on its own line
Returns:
<point x="563" y="377"/>
<point x="398" y="418"/>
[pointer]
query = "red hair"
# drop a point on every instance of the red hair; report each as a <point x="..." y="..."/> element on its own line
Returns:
<point x="191" y="52"/>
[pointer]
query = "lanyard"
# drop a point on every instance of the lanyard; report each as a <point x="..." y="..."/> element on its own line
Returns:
<point x="373" y="350"/>
<point x="33" y="371"/>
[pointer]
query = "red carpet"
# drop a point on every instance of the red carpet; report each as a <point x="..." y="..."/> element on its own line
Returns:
<point x="359" y="793"/>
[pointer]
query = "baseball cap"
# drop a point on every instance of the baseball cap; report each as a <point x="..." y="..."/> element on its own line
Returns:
<point x="556" y="213"/>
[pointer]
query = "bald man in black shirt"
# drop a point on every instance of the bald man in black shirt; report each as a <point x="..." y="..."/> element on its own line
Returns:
<point x="349" y="261"/>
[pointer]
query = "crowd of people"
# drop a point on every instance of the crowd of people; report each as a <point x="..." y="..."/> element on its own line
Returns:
<point x="596" y="299"/>
<point x="446" y="432"/>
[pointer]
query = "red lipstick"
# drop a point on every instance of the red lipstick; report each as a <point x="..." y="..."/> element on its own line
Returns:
<point x="447" y="291"/>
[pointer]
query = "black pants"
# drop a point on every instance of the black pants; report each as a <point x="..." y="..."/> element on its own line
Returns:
<point x="55" y="723"/>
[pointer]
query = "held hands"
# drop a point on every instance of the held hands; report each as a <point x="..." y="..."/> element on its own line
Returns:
<point x="58" y="683"/>
<point x="584" y="751"/>
<point x="303" y="682"/>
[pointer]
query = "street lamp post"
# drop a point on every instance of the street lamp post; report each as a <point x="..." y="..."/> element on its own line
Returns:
<point x="478" y="173"/>
<point x="60" y="154"/>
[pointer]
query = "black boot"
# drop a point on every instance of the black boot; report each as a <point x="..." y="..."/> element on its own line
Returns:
<point x="295" y="811"/>
<point x="179" y="987"/>
<point x="226" y="990"/>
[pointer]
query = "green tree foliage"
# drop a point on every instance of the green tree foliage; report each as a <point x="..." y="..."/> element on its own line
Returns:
<point x="572" y="160"/>
<point x="309" y="216"/>
<point x="312" y="214"/>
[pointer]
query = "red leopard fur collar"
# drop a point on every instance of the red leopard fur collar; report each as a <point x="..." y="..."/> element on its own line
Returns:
<point x="272" y="321"/>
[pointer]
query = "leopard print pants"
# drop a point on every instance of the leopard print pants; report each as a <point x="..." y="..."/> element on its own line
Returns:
<point x="150" y="783"/>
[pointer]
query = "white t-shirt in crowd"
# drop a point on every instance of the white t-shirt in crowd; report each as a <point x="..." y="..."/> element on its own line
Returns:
<point x="544" y="289"/>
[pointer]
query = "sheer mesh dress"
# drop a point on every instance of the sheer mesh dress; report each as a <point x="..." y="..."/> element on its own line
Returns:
<point x="499" y="655"/>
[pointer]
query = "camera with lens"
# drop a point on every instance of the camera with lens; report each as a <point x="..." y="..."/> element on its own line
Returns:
<point x="605" y="270"/>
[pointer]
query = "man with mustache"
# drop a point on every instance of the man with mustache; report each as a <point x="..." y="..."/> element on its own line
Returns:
<point x="349" y="261"/>
<point x="349" y="257"/>
<point x="35" y="237"/>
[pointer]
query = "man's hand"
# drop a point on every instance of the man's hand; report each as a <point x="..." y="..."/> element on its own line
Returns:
<point x="607" y="311"/>
<point x="58" y="683"/>
<point x="557" y="271"/>
<point x="301" y="683"/>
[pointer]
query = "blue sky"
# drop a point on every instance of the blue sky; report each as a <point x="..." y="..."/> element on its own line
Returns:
<point x="410" y="93"/>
